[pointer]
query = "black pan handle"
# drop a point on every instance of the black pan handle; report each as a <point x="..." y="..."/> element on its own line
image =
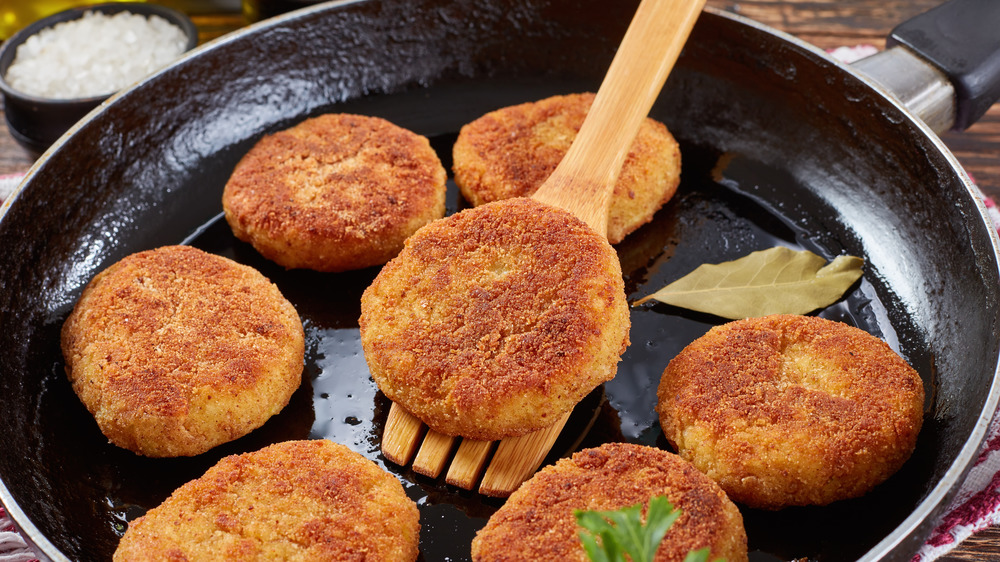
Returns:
<point x="962" y="39"/>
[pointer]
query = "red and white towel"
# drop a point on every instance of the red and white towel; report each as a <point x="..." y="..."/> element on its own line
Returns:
<point x="12" y="547"/>
<point x="975" y="507"/>
<point x="7" y="185"/>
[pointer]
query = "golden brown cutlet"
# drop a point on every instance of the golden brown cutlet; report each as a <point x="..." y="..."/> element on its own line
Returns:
<point x="175" y="351"/>
<point x="495" y="321"/>
<point x="791" y="410"/>
<point x="511" y="151"/>
<point x="298" y="500"/>
<point x="537" y="522"/>
<point x="335" y="192"/>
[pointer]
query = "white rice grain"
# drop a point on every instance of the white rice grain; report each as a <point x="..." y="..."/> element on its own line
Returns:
<point x="94" y="55"/>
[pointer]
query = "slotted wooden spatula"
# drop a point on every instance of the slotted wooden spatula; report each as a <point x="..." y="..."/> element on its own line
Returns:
<point x="582" y="184"/>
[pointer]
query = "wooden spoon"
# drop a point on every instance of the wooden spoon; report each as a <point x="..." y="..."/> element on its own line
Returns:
<point x="582" y="184"/>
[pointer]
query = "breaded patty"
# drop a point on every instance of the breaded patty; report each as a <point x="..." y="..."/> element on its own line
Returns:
<point x="175" y="351"/>
<point x="495" y="321"/>
<point x="510" y="152"/>
<point x="791" y="410"/>
<point x="298" y="500"/>
<point x="335" y="192"/>
<point x="537" y="521"/>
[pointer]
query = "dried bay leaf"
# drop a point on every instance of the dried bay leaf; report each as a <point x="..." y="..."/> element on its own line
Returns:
<point x="774" y="281"/>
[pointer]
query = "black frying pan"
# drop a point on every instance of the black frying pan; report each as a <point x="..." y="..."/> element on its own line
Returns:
<point x="817" y="159"/>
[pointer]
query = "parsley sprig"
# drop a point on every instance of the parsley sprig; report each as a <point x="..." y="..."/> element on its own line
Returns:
<point x="610" y="535"/>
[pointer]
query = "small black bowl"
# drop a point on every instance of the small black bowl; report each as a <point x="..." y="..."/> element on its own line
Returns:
<point x="36" y="122"/>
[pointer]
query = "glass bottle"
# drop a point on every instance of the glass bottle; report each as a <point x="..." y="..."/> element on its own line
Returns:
<point x="256" y="10"/>
<point x="16" y="14"/>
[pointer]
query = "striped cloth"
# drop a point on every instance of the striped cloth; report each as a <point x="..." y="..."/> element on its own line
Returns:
<point x="12" y="547"/>
<point x="7" y="185"/>
<point x="975" y="507"/>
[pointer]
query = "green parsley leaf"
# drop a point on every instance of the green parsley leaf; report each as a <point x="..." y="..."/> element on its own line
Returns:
<point x="609" y="535"/>
<point x="700" y="555"/>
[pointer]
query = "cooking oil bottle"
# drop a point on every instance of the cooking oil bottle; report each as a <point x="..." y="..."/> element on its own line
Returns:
<point x="16" y="14"/>
<point x="256" y="10"/>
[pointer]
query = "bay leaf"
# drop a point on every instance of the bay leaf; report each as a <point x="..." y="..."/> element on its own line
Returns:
<point x="778" y="280"/>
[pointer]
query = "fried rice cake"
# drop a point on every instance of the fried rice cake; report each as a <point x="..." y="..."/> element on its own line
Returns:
<point x="336" y="192"/>
<point x="510" y="152"/>
<point x="537" y="521"/>
<point x="175" y="351"/>
<point x="791" y="410"/>
<point x="297" y="501"/>
<point x="495" y="321"/>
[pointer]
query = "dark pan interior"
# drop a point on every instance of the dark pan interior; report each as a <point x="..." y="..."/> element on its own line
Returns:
<point x="780" y="147"/>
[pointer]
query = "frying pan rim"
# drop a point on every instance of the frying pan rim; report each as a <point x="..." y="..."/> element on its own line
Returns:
<point x="947" y="486"/>
<point x="30" y="534"/>
<point x="933" y="502"/>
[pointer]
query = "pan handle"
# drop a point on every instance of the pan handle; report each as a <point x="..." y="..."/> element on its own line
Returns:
<point x="944" y="64"/>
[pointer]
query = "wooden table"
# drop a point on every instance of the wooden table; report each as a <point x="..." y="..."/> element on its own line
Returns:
<point x="824" y="23"/>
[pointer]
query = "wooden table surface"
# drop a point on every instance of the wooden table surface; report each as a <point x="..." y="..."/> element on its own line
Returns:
<point x="824" y="23"/>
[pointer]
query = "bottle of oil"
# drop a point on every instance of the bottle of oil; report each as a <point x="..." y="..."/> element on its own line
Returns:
<point x="256" y="10"/>
<point x="15" y="14"/>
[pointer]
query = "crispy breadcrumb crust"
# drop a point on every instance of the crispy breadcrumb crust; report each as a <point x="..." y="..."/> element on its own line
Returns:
<point x="296" y="501"/>
<point x="335" y="192"/>
<point x="537" y="521"/>
<point x="791" y="410"/>
<point x="495" y="321"/>
<point x="511" y="151"/>
<point x="175" y="351"/>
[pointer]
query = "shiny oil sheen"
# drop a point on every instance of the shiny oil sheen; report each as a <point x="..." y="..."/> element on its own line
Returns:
<point x="717" y="215"/>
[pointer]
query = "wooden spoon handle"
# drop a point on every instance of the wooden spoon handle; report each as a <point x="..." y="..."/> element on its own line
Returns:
<point x="583" y="181"/>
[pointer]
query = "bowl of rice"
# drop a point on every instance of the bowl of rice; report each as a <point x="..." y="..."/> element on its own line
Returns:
<point x="59" y="68"/>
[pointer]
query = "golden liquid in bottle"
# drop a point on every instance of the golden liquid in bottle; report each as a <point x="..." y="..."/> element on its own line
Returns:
<point x="16" y="14"/>
<point x="256" y="10"/>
